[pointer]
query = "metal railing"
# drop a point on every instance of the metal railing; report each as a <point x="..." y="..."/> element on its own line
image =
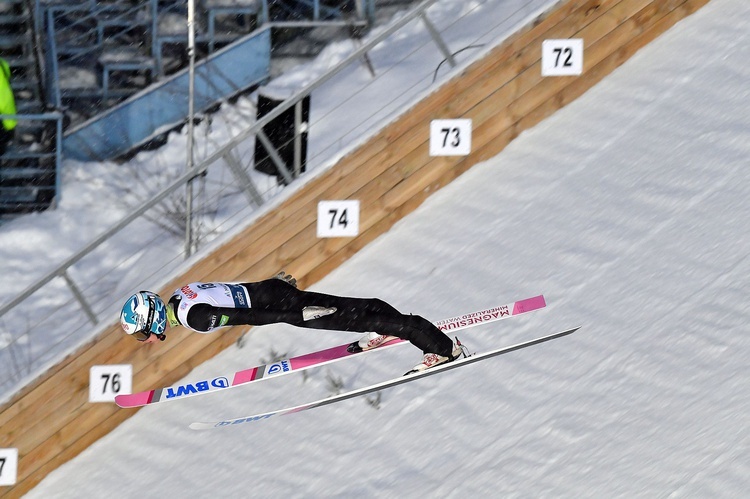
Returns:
<point x="202" y="167"/>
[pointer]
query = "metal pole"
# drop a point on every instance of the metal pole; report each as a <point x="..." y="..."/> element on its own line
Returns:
<point x="190" y="165"/>
<point x="79" y="296"/>
<point x="58" y="161"/>
<point x="298" y="138"/>
<point x="274" y="155"/>
<point x="435" y="34"/>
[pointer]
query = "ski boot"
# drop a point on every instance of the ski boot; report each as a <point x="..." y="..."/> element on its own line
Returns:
<point x="368" y="342"/>
<point x="432" y="359"/>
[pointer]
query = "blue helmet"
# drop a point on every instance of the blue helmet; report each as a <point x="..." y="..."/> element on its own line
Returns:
<point x="144" y="314"/>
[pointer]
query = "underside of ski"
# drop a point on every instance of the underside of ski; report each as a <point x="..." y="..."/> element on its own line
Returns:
<point x="385" y="384"/>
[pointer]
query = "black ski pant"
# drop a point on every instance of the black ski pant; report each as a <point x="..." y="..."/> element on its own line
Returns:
<point x="273" y="301"/>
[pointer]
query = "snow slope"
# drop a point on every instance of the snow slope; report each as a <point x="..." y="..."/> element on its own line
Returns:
<point x="629" y="210"/>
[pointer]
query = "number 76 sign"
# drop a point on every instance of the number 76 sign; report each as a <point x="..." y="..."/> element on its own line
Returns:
<point x="108" y="381"/>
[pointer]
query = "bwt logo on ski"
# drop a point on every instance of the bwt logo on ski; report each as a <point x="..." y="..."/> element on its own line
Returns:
<point x="200" y="386"/>
<point x="279" y="367"/>
<point x="475" y="318"/>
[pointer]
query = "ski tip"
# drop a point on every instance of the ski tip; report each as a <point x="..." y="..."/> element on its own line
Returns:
<point x="560" y="334"/>
<point x="129" y="400"/>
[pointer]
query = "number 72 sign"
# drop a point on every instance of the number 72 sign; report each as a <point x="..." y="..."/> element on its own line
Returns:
<point x="562" y="57"/>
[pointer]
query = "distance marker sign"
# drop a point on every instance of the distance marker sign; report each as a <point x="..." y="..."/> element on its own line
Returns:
<point x="562" y="57"/>
<point x="108" y="381"/>
<point x="338" y="218"/>
<point x="450" y="137"/>
<point x="8" y="466"/>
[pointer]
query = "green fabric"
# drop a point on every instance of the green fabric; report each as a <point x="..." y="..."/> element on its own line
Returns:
<point x="7" y="102"/>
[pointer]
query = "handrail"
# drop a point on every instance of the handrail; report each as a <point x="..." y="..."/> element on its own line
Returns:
<point x="291" y="101"/>
<point x="153" y="7"/>
<point x="202" y="167"/>
<point x="63" y="267"/>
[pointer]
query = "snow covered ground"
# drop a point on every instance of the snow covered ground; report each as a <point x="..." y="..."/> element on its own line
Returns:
<point x="629" y="210"/>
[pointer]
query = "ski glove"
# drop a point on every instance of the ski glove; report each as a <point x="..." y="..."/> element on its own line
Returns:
<point x="287" y="278"/>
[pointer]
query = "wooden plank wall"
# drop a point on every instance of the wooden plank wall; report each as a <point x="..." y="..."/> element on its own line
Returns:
<point x="51" y="421"/>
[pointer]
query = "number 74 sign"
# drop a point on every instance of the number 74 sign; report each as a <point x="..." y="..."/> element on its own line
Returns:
<point x="338" y="218"/>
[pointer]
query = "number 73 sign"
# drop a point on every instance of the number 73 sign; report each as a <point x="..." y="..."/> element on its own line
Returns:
<point x="450" y="137"/>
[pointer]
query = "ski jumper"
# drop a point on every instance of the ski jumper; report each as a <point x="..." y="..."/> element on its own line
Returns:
<point x="203" y="307"/>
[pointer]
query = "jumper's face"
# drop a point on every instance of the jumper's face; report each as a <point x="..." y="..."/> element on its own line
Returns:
<point x="151" y="339"/>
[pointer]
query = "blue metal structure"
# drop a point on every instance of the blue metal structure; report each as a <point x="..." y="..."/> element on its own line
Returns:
<point x="116" y="131"/>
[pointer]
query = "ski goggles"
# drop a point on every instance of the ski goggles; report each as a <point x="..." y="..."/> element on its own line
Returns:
<point x="143" y="335"/>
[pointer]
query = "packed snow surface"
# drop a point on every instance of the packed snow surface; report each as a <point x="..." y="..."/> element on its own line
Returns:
<point x="629" y="211"/>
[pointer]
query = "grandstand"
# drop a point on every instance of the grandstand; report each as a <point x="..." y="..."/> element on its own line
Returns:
<point x="82" y="68"/>
<point x="29" y="167"/>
